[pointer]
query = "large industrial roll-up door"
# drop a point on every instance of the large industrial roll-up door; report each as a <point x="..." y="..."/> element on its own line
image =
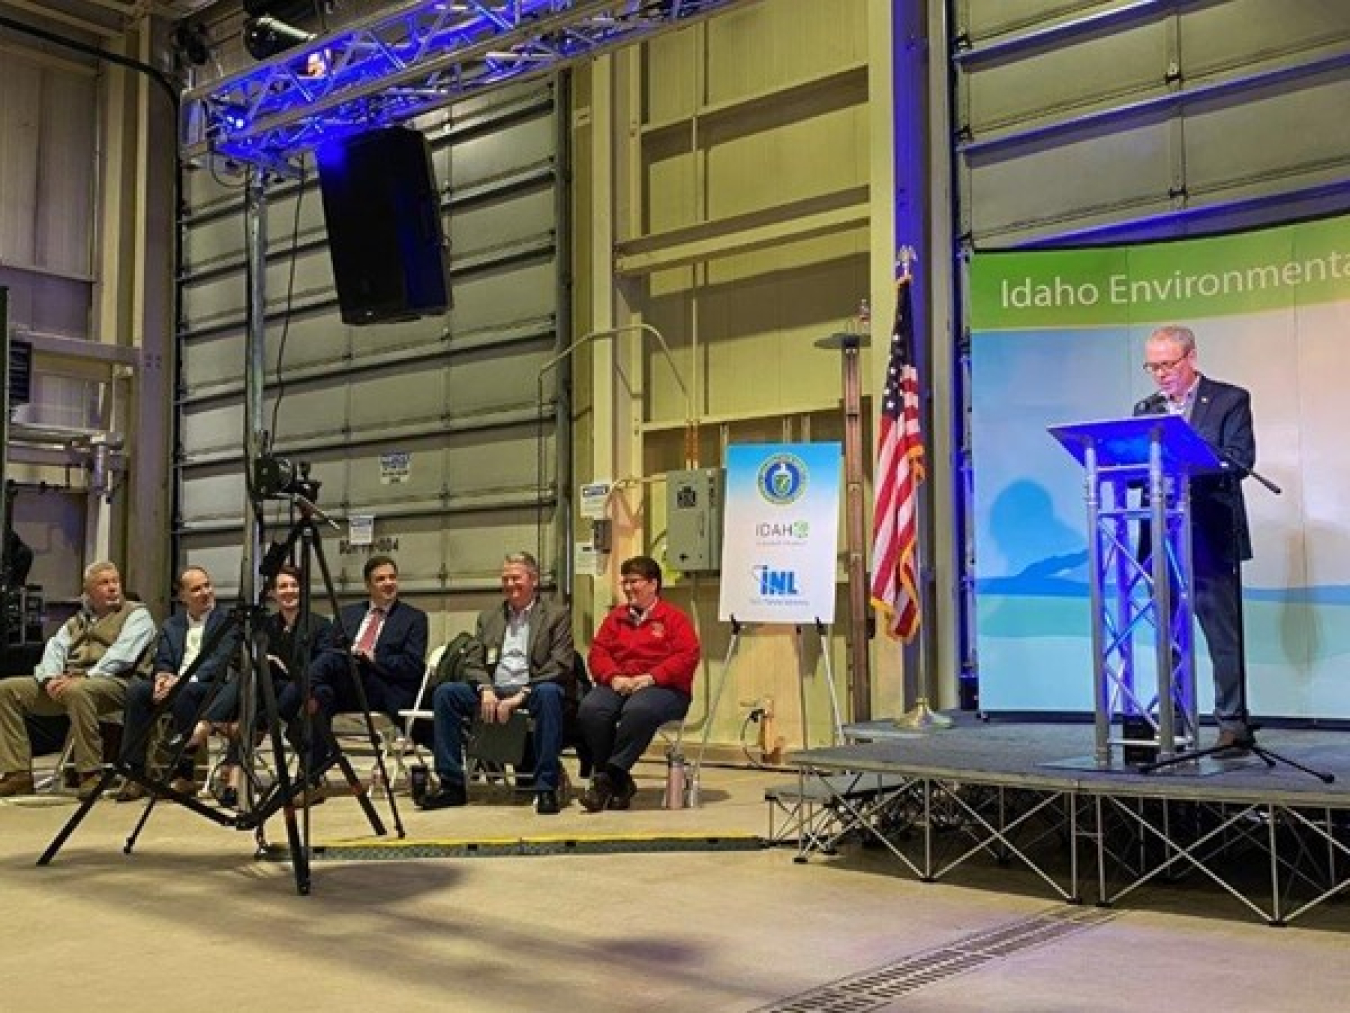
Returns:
<point x="434" y="427"/>
<point x="1082" y="121"/>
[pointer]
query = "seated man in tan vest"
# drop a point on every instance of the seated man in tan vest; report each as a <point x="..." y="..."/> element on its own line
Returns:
<point x="83" y="674"/>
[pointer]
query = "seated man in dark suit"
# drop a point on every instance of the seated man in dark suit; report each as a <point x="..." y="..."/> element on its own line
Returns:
<point x="83" y="674"/>
<point x="384" y="640"/>
<point x="181" y="641"/>
<point x="522" y="655"/>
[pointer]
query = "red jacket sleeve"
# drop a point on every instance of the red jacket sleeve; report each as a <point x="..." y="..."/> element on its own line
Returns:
<point x="677" y="668"/>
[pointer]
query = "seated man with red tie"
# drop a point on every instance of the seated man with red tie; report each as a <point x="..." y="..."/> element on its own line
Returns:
<point x="387" y="652"/>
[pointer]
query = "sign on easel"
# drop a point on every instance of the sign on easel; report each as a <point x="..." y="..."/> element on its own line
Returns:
<point x="780" y="533"/>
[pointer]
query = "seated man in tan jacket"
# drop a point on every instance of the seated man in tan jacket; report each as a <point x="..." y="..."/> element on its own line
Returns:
<point x="83" y="674"/>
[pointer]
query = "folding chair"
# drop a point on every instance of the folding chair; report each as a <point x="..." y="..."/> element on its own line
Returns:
<point x="110" y="729"/>
<point x="499" y="746"/>
<point x="497" y="752"/>
<point x="396" y="737"/>
<point x="419" y="711"/>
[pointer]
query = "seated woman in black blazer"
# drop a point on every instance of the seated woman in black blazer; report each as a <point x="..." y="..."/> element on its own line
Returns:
<point x="286" y="655"/>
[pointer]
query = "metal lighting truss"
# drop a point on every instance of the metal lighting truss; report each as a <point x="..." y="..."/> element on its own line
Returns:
<point x="396" y="66"/>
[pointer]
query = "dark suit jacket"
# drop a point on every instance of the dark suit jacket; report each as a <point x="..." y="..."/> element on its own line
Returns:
<point x="173" y="645"/>
<point x="1222" y="415"/>
<point x="552" y="654"/>
<point x="401" y="651"/>
<point x="282" y="643"/>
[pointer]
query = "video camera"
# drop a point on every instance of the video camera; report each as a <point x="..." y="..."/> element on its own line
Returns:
<point x="278" y="478"/>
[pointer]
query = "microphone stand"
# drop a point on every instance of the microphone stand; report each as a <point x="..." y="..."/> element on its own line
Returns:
<point x="1237" y="471"/>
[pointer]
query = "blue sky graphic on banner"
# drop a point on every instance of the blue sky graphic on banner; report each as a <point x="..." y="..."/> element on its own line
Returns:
<point x="1058" y="337"/>
<point x="781" y="531"/>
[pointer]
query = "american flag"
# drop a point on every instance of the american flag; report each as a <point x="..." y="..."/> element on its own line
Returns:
<point x="900" y="469"/>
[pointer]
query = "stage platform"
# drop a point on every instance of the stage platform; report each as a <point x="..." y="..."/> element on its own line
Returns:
<point x="1275" y="839"/>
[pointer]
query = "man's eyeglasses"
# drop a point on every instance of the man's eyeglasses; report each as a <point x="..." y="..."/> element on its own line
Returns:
<point x="1158" y="368"/>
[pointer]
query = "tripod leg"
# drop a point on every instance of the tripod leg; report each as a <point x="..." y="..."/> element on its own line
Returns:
<point x="363" y="796"/>
<point x="298" y="844"/>
<point x="1265" y="757"/>
<point x="141" y="821"/>
<point x="74" y="822"/>
<point x="1325" y="776"/>
<point x="136" y="747"/>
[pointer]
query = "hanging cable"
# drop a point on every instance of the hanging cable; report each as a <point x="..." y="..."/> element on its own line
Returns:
<point x="286" y="317"/>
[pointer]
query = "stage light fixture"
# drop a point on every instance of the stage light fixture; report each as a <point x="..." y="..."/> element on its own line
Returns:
<point x="271" y="29"/>
<point x="192" y="42"/>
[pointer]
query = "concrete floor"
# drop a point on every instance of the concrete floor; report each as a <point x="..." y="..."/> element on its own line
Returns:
<point x="191" y="920"/>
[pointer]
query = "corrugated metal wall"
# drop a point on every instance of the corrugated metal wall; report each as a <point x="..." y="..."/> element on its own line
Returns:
<point x="460" y="395"/>
<point x="1120" y="120"/>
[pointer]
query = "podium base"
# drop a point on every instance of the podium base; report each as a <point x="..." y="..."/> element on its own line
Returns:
<point x="921" y="717"/>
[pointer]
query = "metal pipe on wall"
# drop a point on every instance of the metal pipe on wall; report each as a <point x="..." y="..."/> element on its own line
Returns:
<point x="254" y="436"/>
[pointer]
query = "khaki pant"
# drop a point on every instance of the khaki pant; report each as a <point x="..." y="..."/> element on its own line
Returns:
<point x="83" y="703"/>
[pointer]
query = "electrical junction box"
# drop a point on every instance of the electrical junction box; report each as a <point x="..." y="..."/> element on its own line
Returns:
<point x="694" y="519"/>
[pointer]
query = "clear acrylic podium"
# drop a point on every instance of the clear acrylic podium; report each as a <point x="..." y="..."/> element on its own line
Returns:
<point x="1139" y="583"/>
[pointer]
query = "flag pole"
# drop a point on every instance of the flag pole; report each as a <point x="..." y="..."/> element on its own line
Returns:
<point x="897" y="588"/>
<point x="850" y="343"/>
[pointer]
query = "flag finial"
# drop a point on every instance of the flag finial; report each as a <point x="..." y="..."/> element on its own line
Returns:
<point x="904" y="257"/>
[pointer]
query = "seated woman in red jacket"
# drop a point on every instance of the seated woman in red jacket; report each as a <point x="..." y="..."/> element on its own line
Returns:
<point x="642" y="660"/>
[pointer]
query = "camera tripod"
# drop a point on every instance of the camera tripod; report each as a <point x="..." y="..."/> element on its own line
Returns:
<point x="286" y="794"/>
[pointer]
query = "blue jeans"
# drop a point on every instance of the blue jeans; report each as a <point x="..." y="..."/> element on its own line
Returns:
<point x="455" y="704"/>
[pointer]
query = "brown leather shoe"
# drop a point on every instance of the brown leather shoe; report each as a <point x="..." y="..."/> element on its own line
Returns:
<point x="185" y="786"/>
<point x="1233" y="743"/>
<point x="130" y="791"/>
<point x="88" y="786"/>
<point x="309" y="798"/>
<point x="16" y="783"/>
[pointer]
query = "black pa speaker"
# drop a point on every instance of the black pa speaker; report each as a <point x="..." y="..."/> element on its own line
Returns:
<point x="382" y="210"/>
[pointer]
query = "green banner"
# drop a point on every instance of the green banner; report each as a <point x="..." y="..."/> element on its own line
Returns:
<point x="1304" y="264"/>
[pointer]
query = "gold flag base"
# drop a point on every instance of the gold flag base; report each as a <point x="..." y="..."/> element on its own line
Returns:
<point x="923" y="717"/>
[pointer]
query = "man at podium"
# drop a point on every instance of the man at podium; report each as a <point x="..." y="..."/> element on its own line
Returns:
<point x="1222" y="414"/>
